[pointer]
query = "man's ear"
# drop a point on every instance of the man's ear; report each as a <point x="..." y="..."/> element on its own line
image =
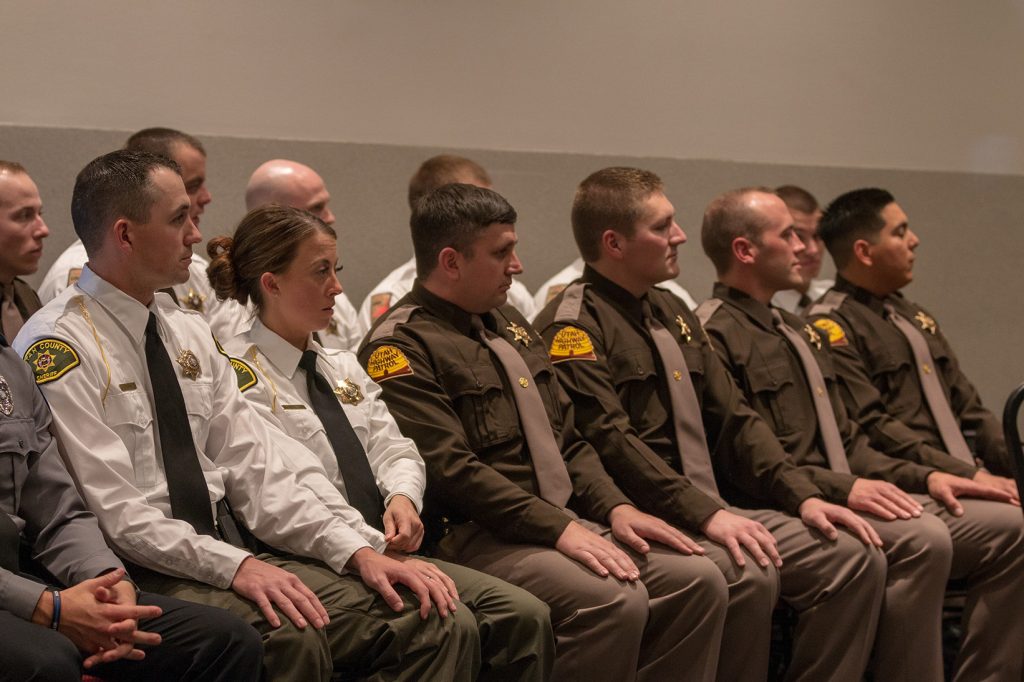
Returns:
<point x="268" y="283"/>
<point x="124" y="234"/>
<point x="744" y="250"/>
<point x="862" y="252"/>
<point x="612" y="244"/>
<point x="449" y="261"/>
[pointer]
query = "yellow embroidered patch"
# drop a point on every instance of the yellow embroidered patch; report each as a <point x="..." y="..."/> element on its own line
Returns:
<point x="387" y="362"/>
<point x="244" y="374"/>
<point x="836" y="335"/>
<point x="571" y="343"/>
<point x="50" y="359"/>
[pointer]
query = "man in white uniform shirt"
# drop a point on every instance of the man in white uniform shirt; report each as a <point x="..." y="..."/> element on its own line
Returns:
<point x="190" y="155"/>
<point x="435" y="172"/>
<point x="164" y="446"/>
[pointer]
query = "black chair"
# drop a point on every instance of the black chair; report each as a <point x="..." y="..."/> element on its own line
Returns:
<point x="1011" y="429"/>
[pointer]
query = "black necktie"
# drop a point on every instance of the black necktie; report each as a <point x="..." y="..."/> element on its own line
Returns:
<point x="360" y="488"/>
<point x="186" y="485"/>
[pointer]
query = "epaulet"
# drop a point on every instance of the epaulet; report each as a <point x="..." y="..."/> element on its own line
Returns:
<point x="572" y="302"/>
<point x="399" y="315"/>
<point x="706" y="309"/>
<point x="829" y="302"/>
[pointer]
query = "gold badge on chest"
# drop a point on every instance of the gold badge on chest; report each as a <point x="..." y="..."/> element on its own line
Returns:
<point x="685" y="333"/>
<point x="927" y="322"/>
<point x="189" y="364"/>
<point x="348" y="392"/>
<point x="195" y="301"/>
<point x="6" y="399"/>
<point x="519" y="333"/>
<point x="813" y="336"/>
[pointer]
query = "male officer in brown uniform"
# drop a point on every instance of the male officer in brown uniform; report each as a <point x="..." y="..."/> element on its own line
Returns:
<point x="471" y="383"/>
<point x="784" y="368"/>
<point x="901" y="380"/>
<point x="622" y="348"/>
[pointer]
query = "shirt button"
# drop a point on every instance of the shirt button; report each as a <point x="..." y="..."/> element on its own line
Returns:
<point x="21" y="443"/>
<point x="639" y="369"/>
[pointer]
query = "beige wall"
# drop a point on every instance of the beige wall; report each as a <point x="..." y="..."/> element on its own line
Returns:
<point x="915" y="96"/>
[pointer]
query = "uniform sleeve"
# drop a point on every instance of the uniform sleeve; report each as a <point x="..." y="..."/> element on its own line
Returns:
<point x="643" y="475"/>
<point x="457" y="475"/>
<point x="865" y="406"/>
<point x="308" y="470"/>
<point x="350" y="327"/>
<point x="749" y="454"/>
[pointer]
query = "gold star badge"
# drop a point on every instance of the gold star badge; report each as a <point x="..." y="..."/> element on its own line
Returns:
<point x="813" y="336"/>
<point x="195" y="301"/>
<point x="519" y="333"/>
<point x="189" y="364"/>
<point x="684" y="329"/>
<point x="348" y="392"/>
<point x="927" y="322"/>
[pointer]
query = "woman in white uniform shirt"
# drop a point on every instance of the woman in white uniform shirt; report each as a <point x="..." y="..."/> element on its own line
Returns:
<point x="284" y="260"/>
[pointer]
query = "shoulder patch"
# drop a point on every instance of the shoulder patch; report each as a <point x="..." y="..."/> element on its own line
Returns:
<point x="387" y="362"/>
<point x="379" y="304"/>
<point x="244" y="374"/>
<point x="50" y="359"/>
<point x="571" y="343"/>
<point x="836" y="335"/>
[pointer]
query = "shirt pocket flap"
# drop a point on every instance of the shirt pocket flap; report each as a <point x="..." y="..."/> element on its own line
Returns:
<point x="633" y="365"/>
<point x="768" y="378"/>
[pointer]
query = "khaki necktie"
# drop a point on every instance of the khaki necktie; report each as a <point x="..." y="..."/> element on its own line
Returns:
<point x="552" y="476"/>
<point x="10" y="316"/>
<point x="827" y="426"/>
<point x="949" y="430"/>
<point x="691" y="439"/>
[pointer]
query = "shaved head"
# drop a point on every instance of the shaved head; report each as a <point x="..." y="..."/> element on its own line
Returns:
<point x="289" y="183"/>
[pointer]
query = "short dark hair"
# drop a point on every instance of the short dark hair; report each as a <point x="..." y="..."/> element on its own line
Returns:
<point x="441" y="170"/>
<point x="112" y="186"/>
<point x="797" y="198"/>
<point x="12" y="167"/>
<point x="726" y="218"/>
<point x="852" y="216"/>
<point x="453" y="216"/>
<point x="161" y="141"/>
<point x="610" y="198"/>
<point x="266" y="240"/>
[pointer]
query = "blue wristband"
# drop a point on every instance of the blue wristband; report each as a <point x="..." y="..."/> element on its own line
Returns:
<point x="55" y="622"/>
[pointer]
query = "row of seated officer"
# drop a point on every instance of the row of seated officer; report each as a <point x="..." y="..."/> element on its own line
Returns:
<point x="576" y="463"/>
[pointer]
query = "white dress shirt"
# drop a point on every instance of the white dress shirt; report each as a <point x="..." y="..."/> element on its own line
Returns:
<point x="195" y="294"/>
<point x="281" y="396"/>
<point x="566" y="275"/>
<point x="399" y="282"/>
<point x="345" y="331"/>
<point x="104" y="415"/>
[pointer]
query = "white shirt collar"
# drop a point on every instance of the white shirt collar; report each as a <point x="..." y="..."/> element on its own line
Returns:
<point x="129" y="313"/>
<point x="283" y="355"/>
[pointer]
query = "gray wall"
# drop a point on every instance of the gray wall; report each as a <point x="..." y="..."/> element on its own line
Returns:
<point x="917" y="96"/>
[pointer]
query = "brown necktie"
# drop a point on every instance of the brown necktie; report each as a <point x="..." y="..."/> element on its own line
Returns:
<point x="10" y="316"/>
<point x="686" y="418"/>
<point x="552" y="476"/>
<point x="949" y="430"/>
<point x="827" y="427"/>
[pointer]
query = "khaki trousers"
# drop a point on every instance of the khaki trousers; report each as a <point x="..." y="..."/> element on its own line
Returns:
<point x="364" y="636"/>
<point x="988" y="550"/>
<point x="666" y="626"/>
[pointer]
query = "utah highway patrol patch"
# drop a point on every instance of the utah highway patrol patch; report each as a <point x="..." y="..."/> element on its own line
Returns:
<point x="387" y="362"/>
<point x="244" y="374"/>
<point x="836" y="335"/>
<point x="571" y="343"/>
<point x="50" y="359"/>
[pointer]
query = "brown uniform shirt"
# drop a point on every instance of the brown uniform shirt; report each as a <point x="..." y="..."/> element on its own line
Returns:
<point x="768" y="370"/>
<point x="623" y="408"/>
<point x="879" y="383"/>
<point x="450" y="395"/>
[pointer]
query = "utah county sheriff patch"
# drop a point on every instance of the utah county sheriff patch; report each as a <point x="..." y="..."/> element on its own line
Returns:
<point x="244" y="374"/>
<point x="571" y="343"/>
<point x="387" y="362"/>
<point x="50" y="359"/>
<point x="836" y="335"/>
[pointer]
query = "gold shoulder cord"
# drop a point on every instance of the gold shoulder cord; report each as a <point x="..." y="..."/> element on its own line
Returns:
<point x="273" y="389"/>
<point x="95" y="335"/>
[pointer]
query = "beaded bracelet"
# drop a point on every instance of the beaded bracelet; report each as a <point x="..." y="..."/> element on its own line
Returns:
<point x="55" y="622"/>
